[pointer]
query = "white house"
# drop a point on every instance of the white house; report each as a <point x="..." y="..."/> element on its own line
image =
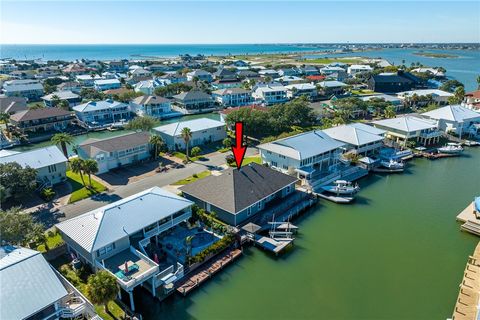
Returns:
<point x="202" y="75"/>
<point x="409" y="127"/>
<point x="50" y="163"/>
<point x="72" y="98"/>
<point x="357" y="139"/>
<point x="270" y="93"/>
<point x="32" y="289"/>
<point x="301" y="89"/>
<point x="306" y="154"/>
<point x="203" y="131"/>
<point x="454" y="118"/>
<point x="438" y="96"/>
<point x="107" y="84"/>
<point x="101" y="113"/>
<point x="153" y="106"/>
<point x="88" y="80"/>
<point x="115" y="235"/>
<point x="30" y="89"/>
<point x="357" y="68"/>
<point x="285" y="80"/>
<point x="232" y="97"/>
<point x="116" y="152"/>
<point x="148" y="86"/>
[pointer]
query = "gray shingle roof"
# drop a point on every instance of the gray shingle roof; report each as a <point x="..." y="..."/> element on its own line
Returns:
<point x="235" y="190"/>
<point x="146" y="100"/>
<point x="116" y="143"/>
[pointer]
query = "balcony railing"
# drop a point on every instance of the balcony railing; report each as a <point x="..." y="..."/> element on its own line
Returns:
<point x="167" y="225"/>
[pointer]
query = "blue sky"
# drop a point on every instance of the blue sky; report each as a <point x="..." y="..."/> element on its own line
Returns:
<point x="238" y="22"/>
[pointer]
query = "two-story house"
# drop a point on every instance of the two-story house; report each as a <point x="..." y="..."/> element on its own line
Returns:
<point x="194" y="101"/>
<point x="270" y="93"/>
<point x="42" y="120"/>
<point x="233" y="97"/>
<point x="30" y="89"/>
<point x="153" y="106"/>
<point x="102" y="113"/>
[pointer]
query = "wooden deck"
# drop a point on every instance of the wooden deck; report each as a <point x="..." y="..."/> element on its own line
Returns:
<point x="466" y="307"/>
<point x="471" y="223"/>
<point x="196" y="278"/>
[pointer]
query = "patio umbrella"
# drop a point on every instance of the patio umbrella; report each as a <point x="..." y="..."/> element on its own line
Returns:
<point x="126" y="267"/>
<point x="155" y="258"/>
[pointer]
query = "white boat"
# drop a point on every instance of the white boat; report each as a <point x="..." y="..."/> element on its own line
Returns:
<point x="451" y="148"/>
<point x="342" y="187"/>
<point x="392" y="164"/>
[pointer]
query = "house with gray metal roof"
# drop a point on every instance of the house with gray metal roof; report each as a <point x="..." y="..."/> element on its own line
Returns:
<point x="117" y="151"/>
<point x="96" y="114"/>
<point x="153" y="106"/>
<point x="237" y="196"/>
<point x="454" y="118"/>
<point x="194" y="101"/>
<point x="115" y="237"/>
<point x="50" y="163"/>
<point x="204" y="130"/>
<point x="356" y="139"/>
<point x="409" y="127"/>
<point x="30" y="89"/>
<point x="32" y="289"/>
<point x="305" y="154"/>
<point x="72" y="98"/>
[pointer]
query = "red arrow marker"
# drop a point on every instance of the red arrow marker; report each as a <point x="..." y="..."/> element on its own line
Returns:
<point x="239" y="149"/>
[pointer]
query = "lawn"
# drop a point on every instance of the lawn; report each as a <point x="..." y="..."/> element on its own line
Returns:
<point x="52" y="241"/>
<point x="79" y="191"/>
<point x="255" y="159"/>
<point x="193" y="178"/>
<point x="362" y="92"/>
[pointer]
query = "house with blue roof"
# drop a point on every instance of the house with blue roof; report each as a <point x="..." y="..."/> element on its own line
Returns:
<point x="96" y="114"/>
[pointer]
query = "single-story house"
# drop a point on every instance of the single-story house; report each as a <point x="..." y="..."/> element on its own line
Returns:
<point x="50" y="163"/>
<point x="203" y="131"/>
<point x="237" y="196"/>
<point x="42" y="120"/>
<point x="454" y="118"/>
<point x="117" y="151"/>
<point x="112" y="236"/>
<point x="72" y="98"/>
<point x="33" y="289"/>
<point x="356" y="139"/>
<point x="404" y="128"/>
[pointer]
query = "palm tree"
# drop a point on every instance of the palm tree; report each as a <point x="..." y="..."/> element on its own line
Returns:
<point x="102" y="288"/>
<point x="186" y="135"/>
<point x="478" y="82"/>
<point x="389" y="112"/>
<point x="63" y="139"/>
<point x="157" y="143"/>
<point x="77" y="167"/>
<point x="5" y="118"/>
<point x="90" y="167"/>
<point x="55" y="100"/>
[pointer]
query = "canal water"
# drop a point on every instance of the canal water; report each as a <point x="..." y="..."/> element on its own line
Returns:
<point x="396" y="253"/>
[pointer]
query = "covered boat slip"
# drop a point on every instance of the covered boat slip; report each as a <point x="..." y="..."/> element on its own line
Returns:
<point x="274" y="245"/>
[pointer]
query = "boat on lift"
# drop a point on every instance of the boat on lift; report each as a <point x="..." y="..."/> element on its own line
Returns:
<point x="342" y="187"/>
<point x="451" y="148"/>
<point x="392" y="164"/>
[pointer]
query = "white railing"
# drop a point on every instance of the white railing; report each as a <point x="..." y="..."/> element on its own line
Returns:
<point x="180" y="271"/>
<point x="165" y="273"/>
<point x="167" y="225"/>
<point x="181" y="218"/>
<point x="433" y="134"/>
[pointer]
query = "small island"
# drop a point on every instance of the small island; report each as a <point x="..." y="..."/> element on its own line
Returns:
<point x="435" y="55"/>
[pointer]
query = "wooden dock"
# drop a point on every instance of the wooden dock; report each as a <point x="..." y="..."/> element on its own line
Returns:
<point x="196" y="278"/>
<point x="470" y="222"/>
<point x="434" y="156"/>
<point x="466" y="307"/>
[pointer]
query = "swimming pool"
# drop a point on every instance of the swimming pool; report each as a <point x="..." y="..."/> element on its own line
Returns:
<point x="202" y="240"/>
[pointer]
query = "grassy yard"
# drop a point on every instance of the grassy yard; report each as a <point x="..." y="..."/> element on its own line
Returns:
<point x="79" y="191"/>
<point x="193" y="178"/>
<point x="52" y="242"/>
<point x="362" y="92"/>
<point x="255" y="159"/>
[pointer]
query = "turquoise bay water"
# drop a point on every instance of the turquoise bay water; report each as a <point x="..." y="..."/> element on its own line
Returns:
<point x="396" y="253"/>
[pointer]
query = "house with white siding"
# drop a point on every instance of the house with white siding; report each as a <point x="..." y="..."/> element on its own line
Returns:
<point x="455" y="119"/>
<point x="102" y="113"/>
<point x="30" y="89"/>
<point x="270" y="93"/>
<point x="153" y="106"/>
<point x="107" y="84"/>
<point x="410" y="127"/>
<point x="357" y="138"/>
<point x="302" y="89"/>
<point x="232" y="97"/>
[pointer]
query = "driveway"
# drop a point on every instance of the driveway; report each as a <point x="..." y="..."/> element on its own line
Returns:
<point x="214" y="162"/>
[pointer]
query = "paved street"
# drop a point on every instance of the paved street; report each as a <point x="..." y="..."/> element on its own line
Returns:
<point x="215" y="160"/>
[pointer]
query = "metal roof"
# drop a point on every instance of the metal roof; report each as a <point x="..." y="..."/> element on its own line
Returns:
<point x="98" y="228"/>
<point x="352" y="135"/>
<point x="407" y="123"/>
<point x="455" y="113"/>
<point x="98" y="105"/>
<point x="303" y="145"/>
<point x="368" y="128"/>
<point x="175" y="129"/>
<point x="28" y="283"/>
<point x="37" y="158"/>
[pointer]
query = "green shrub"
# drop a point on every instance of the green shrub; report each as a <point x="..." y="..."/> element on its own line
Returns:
<point x="195" y="151"/>
<point x="47" y="194"/>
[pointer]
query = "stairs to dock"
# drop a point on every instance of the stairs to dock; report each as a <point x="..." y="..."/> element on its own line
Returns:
<point x="471" y="227"/>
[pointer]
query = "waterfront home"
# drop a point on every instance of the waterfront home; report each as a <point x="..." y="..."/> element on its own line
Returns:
<point x="232" y="97"/>
<point x="174" y="77"/>
<point x="102" y="113"/>
<point x="454" y="119"/>
<point x="426" y="96"/>
<point x="472" y="100"/>
<point x="395" y="101"/>
<point x="289" y="72"/>
<point x="12" y="105"/>
<point x="42" y="120"/>
<point x="270" y="93"/>
<point x="305" y="155"/>
<point x="113" y="237"/>
<point x="268" y="73"/>
<point x="332" y="87"/>
<point x="30" y="89"/>
<point x="225" y="112"/>
<point x="203" y="131"/>
<point x="394" y="82"/>
<point x="302" y="89"/>
<point x="237" y="196"/>
<point x="194" y="101"/>
<point x="50" y="163"/>
<point x="148" y="86"/>
<point x="70" y="86"/>
<point x="285" y="80"/>
<point x="356" y="139"/>
<point x="88" y="80"/>
<point x="72" y="98"/>
<point x="200" y="74"/>
<point x="117" y="151"/>
<point x="106" y="84"/>
<point x="434" y="72"/>
<point x="33" y="289"/>
<point x="153" y="106"/>
<point x="410" y="127"/>
<point x="358" y="68"/>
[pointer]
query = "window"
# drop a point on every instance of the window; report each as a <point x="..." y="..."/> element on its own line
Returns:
<point x="52" y="168"/>
<point x="106" y="249"/>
